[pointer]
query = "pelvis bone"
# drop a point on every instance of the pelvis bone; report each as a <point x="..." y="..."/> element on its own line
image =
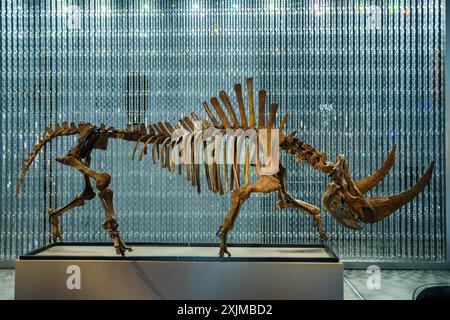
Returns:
<point x="345" y="200"/>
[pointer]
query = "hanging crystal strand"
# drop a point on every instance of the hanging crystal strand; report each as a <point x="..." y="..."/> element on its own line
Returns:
<point x="373" y="27"/>
<point x="379" y="135"/>
<point x="427" y="134"/>
<point x="30" y="207"/>
<point x="303" y="116"/>
<point x="339" y="63"/>
<point x="314" y="97"/>
<point x="438" y="122"/>
<point x="18" y="107"/>
<point x="7" y="123"/>
<point x="28" y="112"/>
<point x="34" y="198"/>
<point x="18" y="214"/>
<point x="410" y="209"/>
<point x="351" y="19"/>
<point x="424" y="109"/>
<point x="297" y="114"/>
<point x="398" y="129"/>
<point x="355" y="117"/>
<point x="357" y="103"/>
<point x="18" y="217"/>
<point x="63" y="58"/>
<point x="298" y="118"/>
<point x="416" y="212"/>
<point x="422" y="101"/>
<point x="415" y="108"/>
<point x="428" y="108"/>
<point x="154" y="214"/>
<point x="434" y="95"/>
<point x="147" y="216"/>
<point x="110" y="82"/>
<point x="165" y="222"/>
<point x="269" y="44"/>
<point x="4" y="254"/>
<point x="385" y="124"/>
<point x="365" y="126"/>
<point x="169" y="220"/>
<point x="147" y="219"/>
<point x="269" y="79"/>
<point x="275" y="95"/>
<point x="87" y="115"/>
<point x="22" y="36"/>
<point x="285" y="99"/>
<point x="400" y="126"/>
<point x="354" y="65"/>
<point x="21" y="215"/>
<point x="142" y="79"/>
<point x="194" y="103"/>
<point x="377" y="112"/>
<point x="335" y="107"/>
<point x="135" y="69"/>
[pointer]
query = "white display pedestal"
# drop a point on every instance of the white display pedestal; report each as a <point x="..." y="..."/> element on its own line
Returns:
<point x="160" y="271"/>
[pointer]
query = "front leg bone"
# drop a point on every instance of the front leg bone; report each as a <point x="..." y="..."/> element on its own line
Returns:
<point x="288" y="201"/>
<point x="223" y="243"/>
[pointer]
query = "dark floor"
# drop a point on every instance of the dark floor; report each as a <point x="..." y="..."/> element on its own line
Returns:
<point x="394" y="284"/>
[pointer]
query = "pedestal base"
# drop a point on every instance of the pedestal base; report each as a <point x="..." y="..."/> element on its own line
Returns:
<point x="158" y="271"/>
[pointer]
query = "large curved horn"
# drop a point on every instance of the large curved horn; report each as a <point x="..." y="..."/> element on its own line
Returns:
<point x="384" y="206"/>
<point x="366" y="184"/>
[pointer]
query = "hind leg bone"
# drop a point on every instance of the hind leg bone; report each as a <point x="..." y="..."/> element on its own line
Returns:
<point x="80" y="199"/>
<point x="265" y="185"/>
<point x="106" y="196"/>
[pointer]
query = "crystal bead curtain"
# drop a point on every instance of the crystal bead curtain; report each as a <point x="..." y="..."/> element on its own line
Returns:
<point x="355" y="76"/>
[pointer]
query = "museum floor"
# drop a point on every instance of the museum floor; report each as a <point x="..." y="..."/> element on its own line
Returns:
<point x="395" y="284"/>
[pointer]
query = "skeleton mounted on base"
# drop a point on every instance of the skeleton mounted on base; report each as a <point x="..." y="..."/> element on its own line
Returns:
<point x="343" y="198"/>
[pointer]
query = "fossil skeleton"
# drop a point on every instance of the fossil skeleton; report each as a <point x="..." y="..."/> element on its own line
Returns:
<point x="343" y="198"/>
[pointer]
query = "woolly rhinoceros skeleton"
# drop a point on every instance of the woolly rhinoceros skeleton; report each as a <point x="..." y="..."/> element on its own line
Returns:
<point x="208" y="140"/>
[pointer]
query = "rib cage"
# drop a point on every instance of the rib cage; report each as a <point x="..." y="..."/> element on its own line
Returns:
<point x="220" y="178"/>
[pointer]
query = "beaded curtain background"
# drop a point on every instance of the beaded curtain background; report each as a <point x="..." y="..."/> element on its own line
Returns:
<point x="355" y="77"/>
